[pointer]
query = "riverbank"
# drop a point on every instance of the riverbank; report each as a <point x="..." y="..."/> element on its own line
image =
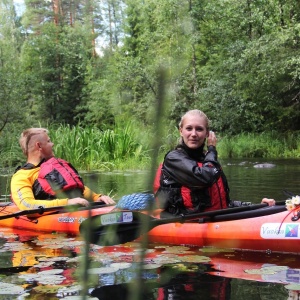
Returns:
<point x="129" y="146"/>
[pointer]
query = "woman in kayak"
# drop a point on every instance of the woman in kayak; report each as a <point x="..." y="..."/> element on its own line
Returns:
<point x="191" y="179"/>
<point x="47" y="181"/>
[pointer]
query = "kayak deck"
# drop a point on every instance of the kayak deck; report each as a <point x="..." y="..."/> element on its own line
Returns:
<point x="66" y="222"/>
<point x="270" y="233"/>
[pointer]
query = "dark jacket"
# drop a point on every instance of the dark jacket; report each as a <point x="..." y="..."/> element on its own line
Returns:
<point x="191" y="171"/>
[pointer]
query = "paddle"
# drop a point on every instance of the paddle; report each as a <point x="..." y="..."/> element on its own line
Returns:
<point x="124" y="226"/>
<point x="41" y="210"/>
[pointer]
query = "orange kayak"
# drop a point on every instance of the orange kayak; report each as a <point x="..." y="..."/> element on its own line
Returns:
<point x="55" y="221"/>
<point x="271" y="233"/>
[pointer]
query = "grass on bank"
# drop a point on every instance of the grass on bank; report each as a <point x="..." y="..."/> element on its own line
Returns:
<point x="128" y="146"/>
<point x="263" y="145"/>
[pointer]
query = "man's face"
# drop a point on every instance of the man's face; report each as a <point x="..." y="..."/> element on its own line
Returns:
<point x="46" y="146"/>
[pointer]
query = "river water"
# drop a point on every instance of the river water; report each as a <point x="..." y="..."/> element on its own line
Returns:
<point x="43" y="266"/>
<point x="247" y="181"/>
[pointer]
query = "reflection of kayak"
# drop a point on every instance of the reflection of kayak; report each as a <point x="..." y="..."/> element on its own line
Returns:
<point x="246" y="265"/>
<point x="262" y="269"/>
<point x="275" y="232"/>
<point x="57" y="221"/>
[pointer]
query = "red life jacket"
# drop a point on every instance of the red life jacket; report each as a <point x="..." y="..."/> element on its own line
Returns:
<point x="217" y="192"/>
<point x="57" y="179"/>
<point x="58" y="175"/>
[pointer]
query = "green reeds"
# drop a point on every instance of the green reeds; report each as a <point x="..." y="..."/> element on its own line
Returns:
<point x="94" y="149"/>
<point x="128" y="145"/>
<point x="265" y="145"/>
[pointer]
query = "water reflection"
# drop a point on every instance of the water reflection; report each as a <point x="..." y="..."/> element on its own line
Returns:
<point x="49" y="267"/>
<point x="183" y="285"/>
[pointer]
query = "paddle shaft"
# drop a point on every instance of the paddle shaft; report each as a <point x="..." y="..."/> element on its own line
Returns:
<point x="215" y="215"/>
<point x="42" y="210"/>
<point x="208" y="214"/>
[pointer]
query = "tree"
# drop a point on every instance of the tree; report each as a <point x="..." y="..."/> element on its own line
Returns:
<point x="55" y="63"/>
<point x="11" y="87"/>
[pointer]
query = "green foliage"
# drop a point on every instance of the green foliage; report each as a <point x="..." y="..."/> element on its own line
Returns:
<point x="55" y="65"/>
<point x="266" y="145"/>
<point x="11" y="154"/>
<point x="128" y="146"/>
<point x="237" y="61"/>
<point x="11" y="85"/>
<point x="91" y="148"/>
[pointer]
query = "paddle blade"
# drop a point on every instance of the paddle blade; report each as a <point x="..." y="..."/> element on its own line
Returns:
<point x="114" y="228"/>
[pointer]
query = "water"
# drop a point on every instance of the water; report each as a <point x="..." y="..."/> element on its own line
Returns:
<point x="223" y="277"/>
<point x="246" y="182"/>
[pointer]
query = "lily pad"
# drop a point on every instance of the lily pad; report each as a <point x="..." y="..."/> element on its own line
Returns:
<point x="293" y="286"/>
<point x="166" y="260"/>
<point x="266" y="270"/>
<point x="213" y="250"/>
<point x="103" y="270"/>
<point x="10" y="289"/>
<point x="51" y="279"/>
<point x="46" y="278"/>
<point x="176" y="249"/>
<point x="44" y="264"/>
<point x="50" y="272"/>
<point x="69" y="289"/>
<point x="195" y="259"/>
<point x="276" y="268"/>
<point x="121" y="265"/>
<point x="46" y="289"/>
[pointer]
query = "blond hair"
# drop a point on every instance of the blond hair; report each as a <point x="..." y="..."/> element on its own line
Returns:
<point x="195" y="112"/>
<point x="26" y="137"/>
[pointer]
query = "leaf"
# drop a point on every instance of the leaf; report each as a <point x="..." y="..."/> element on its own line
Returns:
<point x="293" y="286"/>
<point x="10" y="289"/>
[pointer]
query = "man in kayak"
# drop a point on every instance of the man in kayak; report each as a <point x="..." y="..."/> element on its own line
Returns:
<point x="45" y="180"/>
<point x="191" y="179"/>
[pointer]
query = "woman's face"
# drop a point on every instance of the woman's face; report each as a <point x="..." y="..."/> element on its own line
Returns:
<point x="194" y="131"/>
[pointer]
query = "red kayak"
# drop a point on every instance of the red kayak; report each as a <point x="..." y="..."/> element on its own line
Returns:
<point x="275" y="232"/>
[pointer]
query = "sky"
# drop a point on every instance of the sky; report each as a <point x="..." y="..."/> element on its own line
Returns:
<point x="19" y="4"/>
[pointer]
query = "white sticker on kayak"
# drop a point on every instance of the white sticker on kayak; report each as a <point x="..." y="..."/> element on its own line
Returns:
<point x="280" y="231"/>
<point x="118" y="217"/>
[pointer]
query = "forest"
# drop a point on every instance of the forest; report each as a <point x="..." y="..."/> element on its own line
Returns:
<point x="97" y="67"/>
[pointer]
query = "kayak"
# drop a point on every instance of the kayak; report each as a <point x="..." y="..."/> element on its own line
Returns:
<point x="55" y="220"/>
<point x="257" y="227"/>
<point x="252" y="228"/>
<point x="275" y="232"/>
<point x="66" y="219"/>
